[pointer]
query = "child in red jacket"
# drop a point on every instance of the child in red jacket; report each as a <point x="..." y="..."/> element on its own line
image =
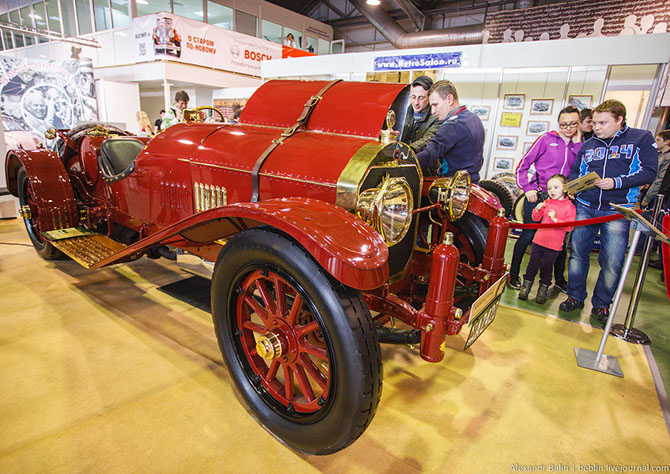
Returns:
<point x="548" y="242"/>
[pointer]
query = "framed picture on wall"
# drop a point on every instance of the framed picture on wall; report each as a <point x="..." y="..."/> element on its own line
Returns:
<point x="537" y="127"/>
<point x="503" y="164"/>
<point x="506" y="142"/>
<point x="514" y="101"/>
<point x="541" y="106"/>
<point x="526" y="147"/>
<point x="481" y="111"/>
<point x="580" y="101"/>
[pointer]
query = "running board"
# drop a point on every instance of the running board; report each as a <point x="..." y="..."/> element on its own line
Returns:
<point x="89" y="249"/>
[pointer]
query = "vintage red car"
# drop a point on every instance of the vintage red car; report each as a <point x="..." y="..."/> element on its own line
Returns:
<point x="317" y="234"/>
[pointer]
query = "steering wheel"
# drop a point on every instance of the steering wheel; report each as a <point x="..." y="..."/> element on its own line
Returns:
<point x="193" y="115"/>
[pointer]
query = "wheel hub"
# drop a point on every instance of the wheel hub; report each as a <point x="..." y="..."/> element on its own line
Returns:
<point x="269" y="346"/>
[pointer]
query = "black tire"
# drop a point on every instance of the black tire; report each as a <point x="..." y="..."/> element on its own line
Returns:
<point x="342" y="338"/>
<point x="509" y="181"/>
<point x="501" y="192"/>
<point x="470" y="234"/>
<point x="27" y="198"/>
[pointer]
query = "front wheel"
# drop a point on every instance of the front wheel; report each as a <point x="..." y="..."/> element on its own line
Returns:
<point x="301" y="349"/>
<point x="28" y="199"/>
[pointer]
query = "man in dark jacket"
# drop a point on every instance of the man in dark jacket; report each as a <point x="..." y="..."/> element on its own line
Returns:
<point x="625" y="158"/>
<point x="459" y="142"/>
<point x="420" y="125"/>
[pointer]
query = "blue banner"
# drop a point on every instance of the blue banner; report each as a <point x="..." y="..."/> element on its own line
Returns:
<point x="418" y="61"/>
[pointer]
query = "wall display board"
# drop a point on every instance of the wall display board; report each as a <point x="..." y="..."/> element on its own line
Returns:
<point x="40" y="94"/>
<point x="168" y="36"/>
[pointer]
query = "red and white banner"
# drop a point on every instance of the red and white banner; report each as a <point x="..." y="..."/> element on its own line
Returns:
<point x="172" y="37"/>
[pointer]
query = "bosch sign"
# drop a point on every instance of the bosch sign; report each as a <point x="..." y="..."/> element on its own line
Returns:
<point x="254" y="56"/>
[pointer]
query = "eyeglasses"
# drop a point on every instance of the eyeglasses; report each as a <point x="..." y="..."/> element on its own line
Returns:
<point x="568" y="125"/>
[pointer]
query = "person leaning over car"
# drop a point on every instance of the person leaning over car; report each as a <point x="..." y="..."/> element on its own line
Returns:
<point x="625" y="158"/>
<point x="459" y="142"/>
<point x="420" y="125"/>
<point x="175" y="114"/>
<point x="551" y="154"/>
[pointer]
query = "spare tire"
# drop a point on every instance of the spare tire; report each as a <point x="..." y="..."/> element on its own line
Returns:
<point x="501" y="192"/>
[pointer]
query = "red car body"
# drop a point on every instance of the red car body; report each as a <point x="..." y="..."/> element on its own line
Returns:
<point x="322" y="238"/>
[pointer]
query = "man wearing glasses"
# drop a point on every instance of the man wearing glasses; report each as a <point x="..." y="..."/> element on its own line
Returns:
<point x="420" y="125"/>
<point x="552" y="153"/>
<point x="625" y="158"/>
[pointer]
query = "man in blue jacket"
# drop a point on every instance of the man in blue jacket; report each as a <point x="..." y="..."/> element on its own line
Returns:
<point x="459" y="142"/>
<point x="625" y="158"/>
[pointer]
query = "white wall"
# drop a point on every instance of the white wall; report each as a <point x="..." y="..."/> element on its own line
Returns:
<point x="119" y="102"/>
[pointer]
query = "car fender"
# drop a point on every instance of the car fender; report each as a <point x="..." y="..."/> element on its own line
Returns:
<point x="346" y="247"/>
<point x="482" y="203"/>
<point x="51" y="186"/>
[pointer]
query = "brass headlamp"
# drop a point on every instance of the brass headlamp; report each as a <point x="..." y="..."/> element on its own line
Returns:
<point x="453" y="193"/>
<point x="388" y="209"/>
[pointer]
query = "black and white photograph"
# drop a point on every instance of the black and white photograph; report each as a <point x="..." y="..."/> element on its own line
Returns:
<point x="541" y="106"/>
<point x="537" y="127"/>
<point x="481" y="111"/>
<point x="506" y="142"/>
<point x="503" y="164"/>
<point x="526" y="147"/>
<point x="40" y="94"/>
<point x="580" y="101"/>
<point x="514" y="101"/>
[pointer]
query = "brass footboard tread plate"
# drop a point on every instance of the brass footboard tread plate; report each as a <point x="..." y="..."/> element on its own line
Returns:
<point x="87" y="250"/>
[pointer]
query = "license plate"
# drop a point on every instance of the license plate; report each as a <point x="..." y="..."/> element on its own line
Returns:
<point x="484" y="310"/>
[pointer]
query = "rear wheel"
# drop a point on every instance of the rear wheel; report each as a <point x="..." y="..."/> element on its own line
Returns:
<point x="301" y="349"/>
<point x="27" y="198"/>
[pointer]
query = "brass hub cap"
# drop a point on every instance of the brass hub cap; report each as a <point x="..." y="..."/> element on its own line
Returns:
<point x="269" y="347"/>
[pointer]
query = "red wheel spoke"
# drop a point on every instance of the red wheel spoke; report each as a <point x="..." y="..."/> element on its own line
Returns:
<point x="280" y="294"/>
<point x="306" y="329"/>
<point x="288" y="383"/>
<point x="314" y="371"/>
<point x="315" y="351"/>
<point x="262" y="287"/>
<point x="305" y="387"/>
<point x="272" y="371"/>
<point x="256" y="306"/>
<point x="295" y="310"/>
<point x="250" y="325"/>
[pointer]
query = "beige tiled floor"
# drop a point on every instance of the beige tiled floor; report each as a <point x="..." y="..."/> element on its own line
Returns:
<point x="101" y="372"/>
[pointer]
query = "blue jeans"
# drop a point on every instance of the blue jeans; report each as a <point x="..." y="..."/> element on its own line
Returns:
<point x="614" y="241"/>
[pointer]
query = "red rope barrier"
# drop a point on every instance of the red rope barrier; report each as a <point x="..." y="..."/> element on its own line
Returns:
<point x="593" y="220"/>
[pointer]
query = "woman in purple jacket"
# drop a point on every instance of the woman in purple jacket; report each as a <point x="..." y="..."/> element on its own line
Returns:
<point x="552" y="153"/>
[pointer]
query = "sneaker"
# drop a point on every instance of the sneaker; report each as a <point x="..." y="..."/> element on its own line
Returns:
<point x="601" y="314"/>
<point x="514" y="282"/>
<point x="562" y="286"/>
<point x="655" y="264"/>
<point x="571" y="304"/>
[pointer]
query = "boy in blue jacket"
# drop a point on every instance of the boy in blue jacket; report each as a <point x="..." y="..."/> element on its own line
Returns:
<point x="625" y="158"/>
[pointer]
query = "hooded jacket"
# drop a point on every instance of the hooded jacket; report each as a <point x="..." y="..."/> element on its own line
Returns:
<point x="417" y="133"/>
<point x="630" y="157"/>
<point x="550" y="155"/>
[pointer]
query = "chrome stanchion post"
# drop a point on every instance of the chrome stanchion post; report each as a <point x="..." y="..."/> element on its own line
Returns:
<point x="626" y="331"/>
<point x="595" y="361"/>
<point x="589" y="359"/>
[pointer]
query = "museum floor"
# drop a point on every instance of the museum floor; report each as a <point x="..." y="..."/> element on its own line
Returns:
<point x="102" y="372"/>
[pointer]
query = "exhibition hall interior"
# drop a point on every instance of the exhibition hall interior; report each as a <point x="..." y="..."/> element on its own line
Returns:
<point x="335" y="236"/>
